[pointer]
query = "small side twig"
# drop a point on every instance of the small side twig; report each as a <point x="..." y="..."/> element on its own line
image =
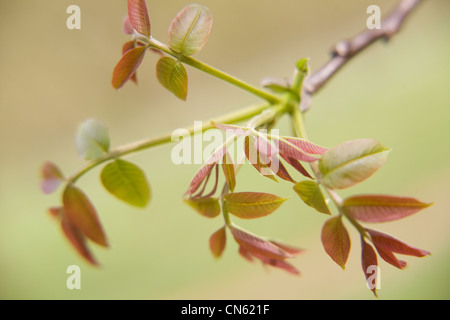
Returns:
<point x="344" y="50"/>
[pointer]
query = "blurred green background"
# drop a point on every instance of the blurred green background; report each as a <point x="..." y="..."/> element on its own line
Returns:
<point x="52" y="78"/>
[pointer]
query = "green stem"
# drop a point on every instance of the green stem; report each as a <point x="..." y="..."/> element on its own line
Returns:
<point x="153" y="43"/>
<point x="234" y="117"/>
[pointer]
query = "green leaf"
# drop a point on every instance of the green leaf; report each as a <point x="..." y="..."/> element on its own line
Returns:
<point x="310" y="193"/>
<point x="352" y="162"/>
<point x="228" y="171"/>
<point x="81" y="213"/>
<point x="92" y="139"/>
<point x="217" y="242"/>
<point x="190" y="29"/>
<point x="207" y="207"/>
<point x="127" y="182"/>
<point x="382" y="208"/>
<point x="173" y="76"/>
<point x="336" y="241"/>
<point x="250" y="205"/>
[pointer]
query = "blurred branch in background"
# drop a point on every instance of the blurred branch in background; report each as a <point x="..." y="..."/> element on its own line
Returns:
<point x="344" y="50"/>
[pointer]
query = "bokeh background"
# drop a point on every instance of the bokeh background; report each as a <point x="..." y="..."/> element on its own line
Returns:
<point x="52" y="78"/>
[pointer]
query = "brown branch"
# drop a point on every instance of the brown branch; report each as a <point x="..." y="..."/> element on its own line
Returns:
<point x="346" y="49"/>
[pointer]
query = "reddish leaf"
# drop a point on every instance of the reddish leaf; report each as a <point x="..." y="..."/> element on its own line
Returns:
<point x="268" y="155"/>
<point x="368" y="260"/>
<point x="228" y="171"/>
<point x="245" y="254"/>
<point x="77" y="239"/>
<point x="217" y="242"/>
<point x="250" y="205"/>
<point x="292" y="151"/>
<point x="51" y="177"/>
<point x="296" y="164"/>
<point x="138" y="15"/>
<point x="387" y="245"/>
<point x="125" y="48"/>
<point x="336" y="241"/>
<point x="382" y="208"/>
<point x="205" y="171"/>
<point x="306" y="145"/>
<point x="258" y="246"/>
<point x="127" y="27"/>
<point x="82" y="214"/>
<point x="288" y="249"/>
<point x="207" y="207"/>
<point x="127" y="66"/>
<point x="278" y="263"/>
<point x="56" y="212"/>
<point x="254" y="158"/>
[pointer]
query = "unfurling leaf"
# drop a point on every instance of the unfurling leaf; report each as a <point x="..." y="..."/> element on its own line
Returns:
<point x="207" y="207"/>
<point x="336" y="241"/>
<point x="228" y="171"/>
<point x="250" y="205"/>
<point x="258" y="246"/>
<point x="369" y="264"/>
<point x="77" y="239"/>
<point x="382" y="208"/>
<point x="92" y="139"/>
<point x="173" y="76"/>
<point x="217" y="242"/>
<point x="190" y="29"/>
<point x="138" y="15"/>
<point x="127" y="66"/>
<point x="310" y="193"/>
<point x="81" y="213"/>
<point x="127" y="182"/>
<point x="254" y="158"/>
<point x="352" y="162"/>
<point x="51" y="177"/>
<point x="387" y="245"/>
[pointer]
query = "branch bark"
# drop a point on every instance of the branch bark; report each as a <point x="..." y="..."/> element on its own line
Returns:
<point x="345" y="50"/>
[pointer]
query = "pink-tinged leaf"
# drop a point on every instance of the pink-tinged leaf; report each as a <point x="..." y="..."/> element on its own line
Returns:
<point x="382" y="208"/>
<point x="369" y="264"/>
<point x="245" y="254"/>
<point x="228" y="171"/>
<point x="81" y="213"/>
<point x="217" y="242"/>
<point x="336" y="241"/>
<point x="56" y="212"/>
<point x="127" y="27"/>
<point x="52" y="177"/>
<point x="296" y="164"/>
<point x="125" y="48"/>
<point x="207" y="207"/>
<point x="289" y="249"/>
<point x="387" y="245"/>
<point x="352" y="162"/>
<point x="310" y="193"/>
<point x="255" y="159"/>
<point x="173" y="76"/>
<point x="190" y="29"/>
<point x="127" y="66"/>
<point x="258" y="246"/>
<point x="278" y="263"/>
<point x="268" y="155"/>
<point x="205" y="171"/>
<point x="250" y="205"/>
<point x="306" y="145"/>
<point x="292" y="151"/>
<point x="138" y="15"/>
<point x="237" y="130"/>
<point x="77" y="239"/>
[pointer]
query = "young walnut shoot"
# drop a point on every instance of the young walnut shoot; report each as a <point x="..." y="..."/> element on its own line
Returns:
<point x="318" y="171"/>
